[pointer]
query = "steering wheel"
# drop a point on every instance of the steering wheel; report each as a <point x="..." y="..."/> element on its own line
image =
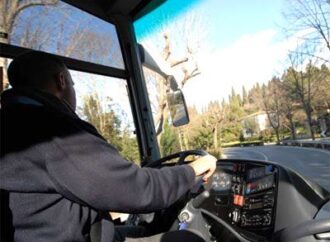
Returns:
<point x="181" y="155"/>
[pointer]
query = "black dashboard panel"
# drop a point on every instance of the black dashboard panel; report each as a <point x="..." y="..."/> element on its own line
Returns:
<point x="244" y="195"/>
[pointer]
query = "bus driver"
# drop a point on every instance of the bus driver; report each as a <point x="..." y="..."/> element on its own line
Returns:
<point x="59" y="171"/>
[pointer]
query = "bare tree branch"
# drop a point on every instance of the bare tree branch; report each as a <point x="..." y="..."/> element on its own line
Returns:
<point x="178" y="62"/>
<point x="18" y="7"/>
<point x="166" y="51"/>
<point x="310" y="15"/>
<point x="188" y="75"/>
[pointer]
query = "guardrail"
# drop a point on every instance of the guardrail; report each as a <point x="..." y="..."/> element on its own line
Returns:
<point x="320" y="144"/>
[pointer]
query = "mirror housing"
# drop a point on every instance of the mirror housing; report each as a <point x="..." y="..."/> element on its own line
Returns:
<point x="178" y="109"/>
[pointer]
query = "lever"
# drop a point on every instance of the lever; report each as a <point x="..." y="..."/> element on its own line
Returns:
<point x="197" y="202"/>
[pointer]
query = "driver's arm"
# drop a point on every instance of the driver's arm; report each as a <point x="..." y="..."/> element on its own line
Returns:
<point x="85" y="168"/>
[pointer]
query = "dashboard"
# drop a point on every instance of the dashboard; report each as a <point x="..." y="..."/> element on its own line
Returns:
<point x="251" y="200"/>
<point x="244" y="195"/>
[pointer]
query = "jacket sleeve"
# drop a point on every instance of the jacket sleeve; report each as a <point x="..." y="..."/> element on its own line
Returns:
<point x="86" y="168"/>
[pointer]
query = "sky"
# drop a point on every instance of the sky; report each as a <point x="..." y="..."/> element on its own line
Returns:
<point x="244" y="43"/>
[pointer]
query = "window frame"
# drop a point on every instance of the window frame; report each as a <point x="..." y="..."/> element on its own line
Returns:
<point x="11" y="51"/>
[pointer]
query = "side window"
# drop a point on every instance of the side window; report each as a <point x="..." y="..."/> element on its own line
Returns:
<point x="63" y="30"/>
<point x="103" y="101"/>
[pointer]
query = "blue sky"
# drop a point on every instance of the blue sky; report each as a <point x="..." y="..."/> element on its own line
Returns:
<point x="227" y="19"/>
<point x="150" y="23"/>
<point x="230" y="19"/>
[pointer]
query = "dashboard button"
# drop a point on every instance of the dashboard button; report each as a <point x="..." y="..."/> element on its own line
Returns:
<point x="221" y="199"/>
<point x="238" y="200"/>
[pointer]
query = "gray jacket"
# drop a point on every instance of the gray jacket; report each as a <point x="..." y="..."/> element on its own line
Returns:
<point x="60" y="172"/>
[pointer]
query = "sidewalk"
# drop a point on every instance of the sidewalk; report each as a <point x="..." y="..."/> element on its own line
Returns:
<point x="321" y="143"/>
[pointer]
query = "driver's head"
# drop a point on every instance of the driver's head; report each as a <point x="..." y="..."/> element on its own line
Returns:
<point x="42" y="71"/>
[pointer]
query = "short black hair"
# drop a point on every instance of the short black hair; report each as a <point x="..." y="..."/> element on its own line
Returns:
<point x="34" y="69"/>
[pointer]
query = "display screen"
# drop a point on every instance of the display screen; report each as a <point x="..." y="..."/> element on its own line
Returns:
<point x="259" y="172"/>
<point x="260" y="185"/>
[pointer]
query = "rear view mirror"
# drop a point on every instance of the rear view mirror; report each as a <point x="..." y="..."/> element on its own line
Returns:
<point x="175" y="98"/>
<point x="178" y="108"/>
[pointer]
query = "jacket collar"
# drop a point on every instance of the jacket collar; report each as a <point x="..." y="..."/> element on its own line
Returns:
<point x="29" y="96"/>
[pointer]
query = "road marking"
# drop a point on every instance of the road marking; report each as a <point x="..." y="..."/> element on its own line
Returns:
<point x="260" y="153"/>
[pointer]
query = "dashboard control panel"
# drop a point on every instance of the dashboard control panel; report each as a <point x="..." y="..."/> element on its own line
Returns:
<point x="244" y="195"/>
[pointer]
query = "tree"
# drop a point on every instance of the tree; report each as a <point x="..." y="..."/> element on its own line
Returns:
<point x="10" y="9"/>
<point x="204" y="138"/>
<point x="271" y="98"/>
<point x="288" y="106"/>
<point x="178" y="50"/>
<point x="306" y="83"/>
<point x="255" y="98"/>
<point x="102" y="116"/>
<point x="313" y="18"/>
<point x="129" y="146"/>
<point x="322" y="99"/>
<point x="245" y="96"/>
<point x="169" y="140"/>
<point x="27" y="24"/>
<point x="180" y="64"/>
<point x="101" y="113"/>
<point x="215" y="118"/>
<point x="192" y="129"/>
<point x="233" y="95"/>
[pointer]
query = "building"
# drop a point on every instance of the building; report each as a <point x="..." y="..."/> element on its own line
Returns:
<point x="254" y="123"/>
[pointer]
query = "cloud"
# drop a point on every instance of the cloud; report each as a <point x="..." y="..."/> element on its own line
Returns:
<point x="252" y="58"/>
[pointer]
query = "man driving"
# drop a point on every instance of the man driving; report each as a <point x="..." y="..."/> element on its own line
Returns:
<point x="59" y="172"/>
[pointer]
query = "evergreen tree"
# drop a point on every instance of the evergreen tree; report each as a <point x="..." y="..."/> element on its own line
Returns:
<point x="245" y="96"/>
<point x="169" y="141"/>
<point x="100" y="113"/>
<point x="129" y="146"/>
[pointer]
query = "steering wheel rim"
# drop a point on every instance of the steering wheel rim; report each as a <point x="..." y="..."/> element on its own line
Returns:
<point x="181" y="155"/>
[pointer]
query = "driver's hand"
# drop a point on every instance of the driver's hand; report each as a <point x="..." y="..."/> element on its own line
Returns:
<point x="122" y="216"/>
<point x="204" y="166"/>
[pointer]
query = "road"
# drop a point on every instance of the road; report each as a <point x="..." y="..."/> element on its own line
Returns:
<point x="309" y="162"/>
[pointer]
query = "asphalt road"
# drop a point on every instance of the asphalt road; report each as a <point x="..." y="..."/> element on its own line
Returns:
<point x="309" y="162"/>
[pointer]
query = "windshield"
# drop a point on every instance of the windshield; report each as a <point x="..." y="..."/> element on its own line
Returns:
<point x="255" y="75"/>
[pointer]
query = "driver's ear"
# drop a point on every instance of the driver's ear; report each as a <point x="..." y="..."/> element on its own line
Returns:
<point x="60" y="80"/>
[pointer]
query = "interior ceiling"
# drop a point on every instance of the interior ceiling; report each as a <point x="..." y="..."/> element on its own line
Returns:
<point x="104" y="8"/>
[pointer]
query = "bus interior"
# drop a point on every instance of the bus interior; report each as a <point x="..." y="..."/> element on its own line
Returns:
<point x="244" y="200"/>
